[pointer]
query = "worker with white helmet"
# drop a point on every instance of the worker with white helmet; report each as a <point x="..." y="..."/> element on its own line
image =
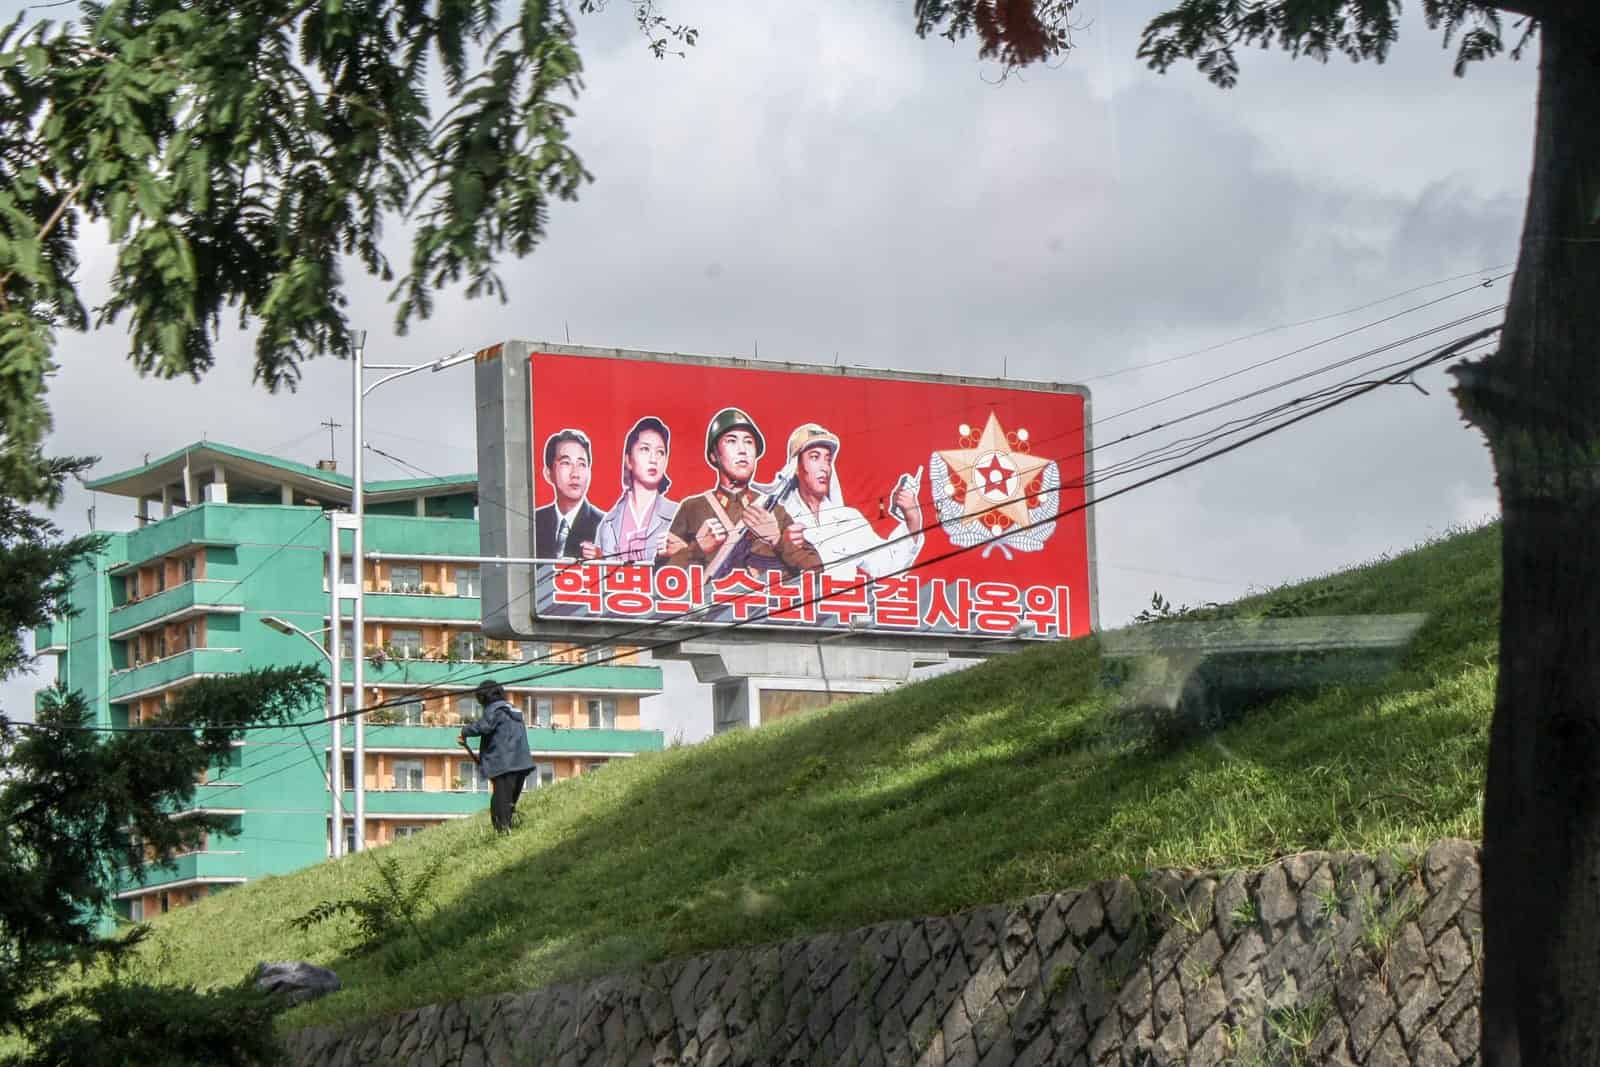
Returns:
<point x="841" y="535"/>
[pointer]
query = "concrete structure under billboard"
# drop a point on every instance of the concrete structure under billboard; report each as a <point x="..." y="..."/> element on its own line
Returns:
<point x="797" y="532"/>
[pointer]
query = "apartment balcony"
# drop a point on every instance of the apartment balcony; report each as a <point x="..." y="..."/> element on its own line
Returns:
<point x="382" y="802"/>
<point x="430" y="606"/>
<point x="514" y="674"/>
<point x="222" y="863"/>
<point x="543" y="740"/>
<point x="51" y="638"/>
<point x="150" y="677"/>
<point x="221" y="525"/>
<point x="201" y="597"/>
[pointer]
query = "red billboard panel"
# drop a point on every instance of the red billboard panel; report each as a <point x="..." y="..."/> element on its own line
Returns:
<point x="705" y="492"/>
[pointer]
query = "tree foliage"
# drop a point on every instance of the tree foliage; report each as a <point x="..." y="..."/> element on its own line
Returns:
<point x="116" y="1023"/>
<point x="241" y="155"/>
<point x="79" y="807"/>
<point x="1210" y="32"/>
<point x="1536" y="399"/>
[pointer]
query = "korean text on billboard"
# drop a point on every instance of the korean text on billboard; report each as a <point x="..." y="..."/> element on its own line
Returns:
<point x="705" y="494"/>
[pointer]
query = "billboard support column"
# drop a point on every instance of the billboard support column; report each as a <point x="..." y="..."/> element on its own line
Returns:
<point x="759" y="681"/>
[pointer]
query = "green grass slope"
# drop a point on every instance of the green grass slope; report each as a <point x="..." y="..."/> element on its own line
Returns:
<point x="984" y="786"/>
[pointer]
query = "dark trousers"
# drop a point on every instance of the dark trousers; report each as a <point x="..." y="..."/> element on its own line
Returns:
<point x="506" y="788"/>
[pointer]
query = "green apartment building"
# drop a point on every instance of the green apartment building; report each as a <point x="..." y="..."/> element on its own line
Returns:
<point x="226" y="538"/>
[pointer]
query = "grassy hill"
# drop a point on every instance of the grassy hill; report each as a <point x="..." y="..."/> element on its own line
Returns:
<point x="1008" y="779"/>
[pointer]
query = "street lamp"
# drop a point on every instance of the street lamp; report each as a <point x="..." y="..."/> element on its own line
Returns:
<point x="283" y="626"/>
<point x="335" y="724"/>
<point x="359" y="391"/>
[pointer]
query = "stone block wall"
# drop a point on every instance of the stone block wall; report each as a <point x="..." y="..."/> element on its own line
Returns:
<point x="1318" y="958"/>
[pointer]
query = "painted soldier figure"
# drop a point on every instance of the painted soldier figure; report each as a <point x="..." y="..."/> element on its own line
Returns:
<point x="733" y="525"/>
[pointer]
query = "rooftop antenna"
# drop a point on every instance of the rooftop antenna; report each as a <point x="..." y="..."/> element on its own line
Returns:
<point x="565" y="325"/>
<point x="329" y="425"/>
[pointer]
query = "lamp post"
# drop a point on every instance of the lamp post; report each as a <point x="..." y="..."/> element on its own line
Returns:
<point x="359" y="391"/>
<point x="335" y="690"/>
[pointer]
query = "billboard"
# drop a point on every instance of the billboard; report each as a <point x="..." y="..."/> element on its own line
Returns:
<point x="643" y="489"/>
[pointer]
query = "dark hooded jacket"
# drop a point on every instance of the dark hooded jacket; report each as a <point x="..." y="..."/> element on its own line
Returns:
<point x="504" y="747"/>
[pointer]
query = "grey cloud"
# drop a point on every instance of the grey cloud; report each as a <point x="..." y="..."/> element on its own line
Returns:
<point x="834" y="185"/>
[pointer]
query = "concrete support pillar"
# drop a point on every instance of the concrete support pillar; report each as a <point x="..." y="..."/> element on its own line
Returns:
<point x="755" y="682"/>
<point x="422" y="507"/>
<point x="219" y="484"/>
<point x="166" y="501"/>
<point x="285" y="493"/>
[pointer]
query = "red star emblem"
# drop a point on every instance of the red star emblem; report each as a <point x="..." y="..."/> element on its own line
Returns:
<point x="994" y="474"/>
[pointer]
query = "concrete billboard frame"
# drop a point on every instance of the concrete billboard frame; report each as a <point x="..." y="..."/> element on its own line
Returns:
<point x="506" y="475"/>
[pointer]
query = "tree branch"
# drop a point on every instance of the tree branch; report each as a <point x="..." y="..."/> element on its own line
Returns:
<point x="292" y="14"/>
<point x="1575" y="12"/>
<point x="49" y="224"/>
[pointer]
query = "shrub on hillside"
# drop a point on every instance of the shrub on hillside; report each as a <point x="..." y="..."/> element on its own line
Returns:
<point x="119" y="1022"/>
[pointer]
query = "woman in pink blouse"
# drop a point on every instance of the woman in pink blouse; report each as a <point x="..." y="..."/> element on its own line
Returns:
<point x="635" y="529"/>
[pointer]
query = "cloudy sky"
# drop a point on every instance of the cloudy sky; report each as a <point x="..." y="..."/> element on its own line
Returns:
<point x="834" y="188"/>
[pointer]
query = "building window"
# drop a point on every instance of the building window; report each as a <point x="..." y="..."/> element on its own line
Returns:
<point x="597" y="653"/>
<point x="468" y="645"/>
<point x="407" y="774"/>
<point x="468" y="582"/>
<point x="348" y="769"/>
<point x="544" y="773"/>
<point x="469" y="777"/>
<point x="405" y="578"/>
<point x="193" y="633"/>
<point x="539" y="710"/>
<point x="349" y="837"/>
<point x="158" y="644"/>
<point x="466" y="708"/>
<point x="602" y="713"/>
<point x="347" y="572"/>
<point x="407" y="644"/>
<point x="410" y="713"/>
<point x="161" y="583"/>
<point x="347" y="640"/>
<point x="406" y="831"/>
<point x="186" y="568"/>
<point x="136" y="909"/>
<point x="166" y="902"/>
<point x="590" y="766"/>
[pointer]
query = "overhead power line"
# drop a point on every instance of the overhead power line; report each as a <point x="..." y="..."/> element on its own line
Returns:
<point x="1360" y="389"/>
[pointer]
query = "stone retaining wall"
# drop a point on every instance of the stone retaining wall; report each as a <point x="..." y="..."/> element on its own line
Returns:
<point x="1319" y="958"/>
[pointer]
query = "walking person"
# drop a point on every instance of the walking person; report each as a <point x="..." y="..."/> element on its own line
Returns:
<point x="503" y="754"/>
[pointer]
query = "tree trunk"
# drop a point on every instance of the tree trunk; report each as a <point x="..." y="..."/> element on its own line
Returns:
<point x="1537" y="401"/>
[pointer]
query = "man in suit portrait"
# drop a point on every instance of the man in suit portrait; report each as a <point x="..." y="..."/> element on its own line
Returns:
<point x="567" y="528"/>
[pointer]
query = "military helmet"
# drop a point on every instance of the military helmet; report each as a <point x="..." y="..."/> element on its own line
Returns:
<point x="810" y="436"/>
<point x="731" y="419"/>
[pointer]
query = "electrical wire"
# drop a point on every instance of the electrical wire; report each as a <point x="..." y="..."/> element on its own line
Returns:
<point x="457" y="678"/>
<point x="470" y="673"/>
<point x="1296" y="325"/>
<point x="1358" y="390"/>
